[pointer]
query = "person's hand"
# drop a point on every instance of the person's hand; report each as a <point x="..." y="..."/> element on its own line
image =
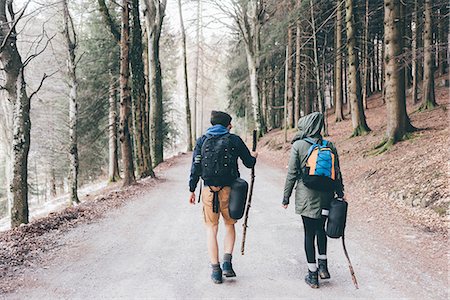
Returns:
<point x="192" y="198"/>
<point x="255" y="154"/>
<point x="284" y="205"/>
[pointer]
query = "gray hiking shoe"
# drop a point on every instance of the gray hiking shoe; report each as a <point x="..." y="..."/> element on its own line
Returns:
<point x="228" y="269"/>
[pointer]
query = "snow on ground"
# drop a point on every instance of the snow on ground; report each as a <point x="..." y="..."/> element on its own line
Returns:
<point x="39" y="210"/>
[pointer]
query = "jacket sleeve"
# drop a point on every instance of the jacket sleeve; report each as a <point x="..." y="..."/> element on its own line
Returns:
<point x="244" y="153"/>
<point x="292" y="175"/>
<point x="339" y="181"/>
<point x="196" y="166"/>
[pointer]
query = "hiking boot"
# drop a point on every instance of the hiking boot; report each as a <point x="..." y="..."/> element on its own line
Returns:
<point x="228" y="269"/>
<point x="323" y="269"/>
<point x="312" y="279"/>
<point x="216" y="275"/>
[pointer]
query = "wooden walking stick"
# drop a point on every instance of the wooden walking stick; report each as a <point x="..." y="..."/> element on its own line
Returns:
<point x="355" y="282"/>
<point x="249" y="201"/>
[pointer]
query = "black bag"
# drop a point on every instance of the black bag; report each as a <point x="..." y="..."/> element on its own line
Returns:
<point x="337" y="218"/>
<point x="238" y="198"/>
<point x="216" y="159"/>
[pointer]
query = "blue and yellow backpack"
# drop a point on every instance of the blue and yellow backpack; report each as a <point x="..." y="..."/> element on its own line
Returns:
<point x="319" y="172"/>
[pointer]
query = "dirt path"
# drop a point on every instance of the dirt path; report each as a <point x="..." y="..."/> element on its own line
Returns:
<point x="154" y="247"/>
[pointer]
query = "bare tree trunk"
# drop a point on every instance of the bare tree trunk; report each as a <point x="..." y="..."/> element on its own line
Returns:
<point x="358" y="118"/>
<point x="339" y="112"/>
<point x="286" y="102"/>
<point x="71" y="44"/>
<point x="125" y="98"/>
<point x="154" y="15"/>
<point x="320" y="96"/>
<point x="297" y="99"/>
<point x="443" y="28"/>
<point x="366" y="54"/>
<point x="397" y="119"/>
<point x="271" y="100"/>
<point x="428" y="97"/>
<point x="52" y="183"/>
<point x="290" y="98"/>
<point x="186" y="82"/>
<point x="15" y="87"/>
<point x="249" y="21"/>
<point x="141" y="134"/>
<point x="414" y="52"/>
<point x="113" y="172"/>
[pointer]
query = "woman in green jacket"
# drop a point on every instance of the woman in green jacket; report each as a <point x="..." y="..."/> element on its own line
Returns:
<point x="311" y="204"/>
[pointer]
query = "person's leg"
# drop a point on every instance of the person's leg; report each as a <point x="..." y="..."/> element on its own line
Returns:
<point x="212" y="225"/>
<point x="322" y="247"/>
<point x="310" y="231"/>
<point x="211" y="238"/>
<point x="230" y="232"/>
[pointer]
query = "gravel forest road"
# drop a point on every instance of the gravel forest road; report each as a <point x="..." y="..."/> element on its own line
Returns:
<point x="154" y="247"/>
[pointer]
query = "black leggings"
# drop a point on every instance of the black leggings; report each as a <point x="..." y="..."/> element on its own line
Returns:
<point x="313" y="228"/>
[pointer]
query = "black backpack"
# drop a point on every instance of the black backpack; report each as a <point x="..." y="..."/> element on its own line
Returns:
<point x="217" y="159"/>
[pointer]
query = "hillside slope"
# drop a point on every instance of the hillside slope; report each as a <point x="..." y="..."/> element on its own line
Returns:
<point x="411" y="179"/>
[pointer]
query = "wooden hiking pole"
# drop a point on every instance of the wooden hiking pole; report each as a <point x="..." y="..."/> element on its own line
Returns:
<point x="249" y="201"/>
<point x="352" y="273"/>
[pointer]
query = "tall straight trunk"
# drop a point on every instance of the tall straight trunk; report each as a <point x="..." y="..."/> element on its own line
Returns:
<point x="52" y="183"/>
<point x="366" y="54"/>
<point x="71" y="44"/>
<point x="443" y="28"/>
<point x="358" y="118"/>
<point x="414" y="52"/>
<point x="397" y="119"/>
<point x="16" y="94"/>
<point x="286" y="101"/>
<point x="125" y="98"/>
<point x="249" y="20"/>
<point x="141" y="132"/>
<point x="113" y="170"/>
<point x="320" y="95"/>
<point x="428" y="97"/>
<point x="290" y="98"/>
<point x="309" y="99"/>
<point x="338" y="100"/>
<point x="271" y="100"/>
<point x="154" y="16"/>
<point x="297" y="100"/>
<point x="197" y="66"/>
<point x="186" y="82"/>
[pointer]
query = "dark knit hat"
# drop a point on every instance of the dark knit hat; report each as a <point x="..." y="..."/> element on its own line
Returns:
<point x="220" y="117"/>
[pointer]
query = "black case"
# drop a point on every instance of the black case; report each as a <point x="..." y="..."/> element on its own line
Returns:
<point x="337" y="218"/>
<point x="238" y="198"/>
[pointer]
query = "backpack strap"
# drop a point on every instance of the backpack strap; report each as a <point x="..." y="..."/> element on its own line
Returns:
<point x="309" y="140"/>
<point x="324" y="143"/>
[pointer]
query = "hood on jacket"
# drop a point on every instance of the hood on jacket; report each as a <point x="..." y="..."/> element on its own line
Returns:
<point x="216" y="130"/>
<point x="309" y="126"/>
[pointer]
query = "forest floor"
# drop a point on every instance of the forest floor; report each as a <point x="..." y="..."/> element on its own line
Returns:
<point x="145" y="241"/>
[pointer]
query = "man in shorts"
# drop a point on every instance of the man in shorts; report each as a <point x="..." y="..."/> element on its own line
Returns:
<point x="215" y="161"/>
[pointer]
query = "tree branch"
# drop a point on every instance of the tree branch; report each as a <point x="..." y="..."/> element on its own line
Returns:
<point x="113" y="27"/>
<point x="13" y="27"/>
<point x="40" y="84"/>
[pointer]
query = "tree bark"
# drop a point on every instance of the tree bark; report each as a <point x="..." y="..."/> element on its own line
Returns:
<point x="428" y="96"/>
<point x="249" y="21"/>
<point x="15" y="87"/>
<point x="398" y="123"/>
<point x="71" y="44"/>
<point x="141" y="126"/>
<point x="290" y="98"/>
<point x="443" y="28"/>
<point x="197" y="65"/>
<point x="297" y="107"/>
<point x="415" y="51"/>
<point x="358" y="118"/>
<point x="366" y="54"/>
<point x="339" y="112"/>
<point x="154" y="16"/>
<point x="186" y="82"/>
<point x="113" y="171"/>
<point x="125" y="98"/>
